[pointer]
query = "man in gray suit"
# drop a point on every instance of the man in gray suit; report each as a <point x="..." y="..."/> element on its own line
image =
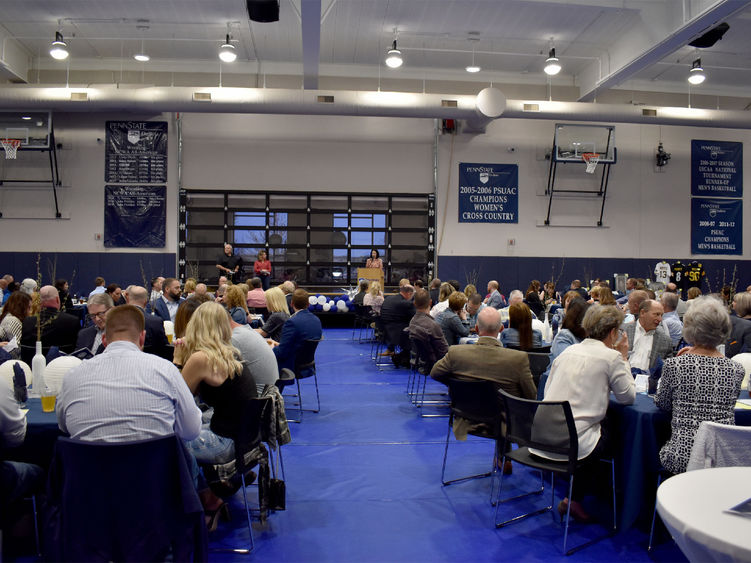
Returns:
<point x="648" y="341"/>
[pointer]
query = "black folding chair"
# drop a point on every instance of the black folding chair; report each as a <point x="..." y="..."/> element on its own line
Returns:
<point x="418" y="380"/>
<point x="538" y="363"/>
<point x="549" y="427"/>
<point x="305" y="366"/>
<point x="478" y="402"/>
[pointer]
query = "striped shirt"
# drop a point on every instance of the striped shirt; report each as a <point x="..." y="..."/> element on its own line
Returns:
<point x="124" y="395"/>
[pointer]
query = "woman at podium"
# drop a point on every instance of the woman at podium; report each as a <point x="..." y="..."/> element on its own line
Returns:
<point x="374" y="261"/>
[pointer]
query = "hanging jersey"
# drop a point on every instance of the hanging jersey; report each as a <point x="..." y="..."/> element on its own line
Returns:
<point x="662" y="272"/>
<point x="678" y="277"/>
<point x="695" y="274"/>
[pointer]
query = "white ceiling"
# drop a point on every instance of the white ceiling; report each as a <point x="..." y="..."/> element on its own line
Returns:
<point x="626" y="44"/>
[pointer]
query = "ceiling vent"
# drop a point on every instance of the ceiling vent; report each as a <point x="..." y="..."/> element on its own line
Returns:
<point x="449" y="103"/>
<point x="649" y="112"/>
<point x="201" y="96"/>
<point x="531" y="107"/>
<point x="325" y="99"/>
<point x="79" y="97"/>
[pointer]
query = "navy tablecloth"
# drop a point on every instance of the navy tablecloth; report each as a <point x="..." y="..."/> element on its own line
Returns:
<point x="41" y="433"/>
<point x="637" y="433"/>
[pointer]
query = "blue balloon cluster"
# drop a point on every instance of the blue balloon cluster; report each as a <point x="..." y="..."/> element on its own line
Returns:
<point x="328" y="304"/>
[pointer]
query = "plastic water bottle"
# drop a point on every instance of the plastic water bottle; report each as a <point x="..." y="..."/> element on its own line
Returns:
<point x="547" y="335"/>
<point x="38" y="365"/>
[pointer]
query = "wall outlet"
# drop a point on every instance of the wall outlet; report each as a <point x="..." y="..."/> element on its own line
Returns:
<point x="97" y="236"/>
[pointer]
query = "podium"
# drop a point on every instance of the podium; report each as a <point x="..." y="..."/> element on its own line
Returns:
<point x="370" y="274"/>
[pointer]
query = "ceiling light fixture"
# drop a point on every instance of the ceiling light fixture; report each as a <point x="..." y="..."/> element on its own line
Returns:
<point x="394" y="57"/>
<point x="141" y="56"/>
<point x="473" y="67"/>
<point x="58" y="49"/>
<point x="227" y="52"/>
<point x="696" y="75"/>
<point x="552" y="64"/>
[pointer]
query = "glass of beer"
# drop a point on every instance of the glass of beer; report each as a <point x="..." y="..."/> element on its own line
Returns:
<point x="48" y="400"/>
<point x="169" y="337"/>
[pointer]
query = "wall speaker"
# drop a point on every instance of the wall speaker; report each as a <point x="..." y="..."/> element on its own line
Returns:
<point x="263" y="11"/>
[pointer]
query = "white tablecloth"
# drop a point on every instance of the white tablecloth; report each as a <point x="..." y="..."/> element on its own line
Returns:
<point x="692" y="507"/>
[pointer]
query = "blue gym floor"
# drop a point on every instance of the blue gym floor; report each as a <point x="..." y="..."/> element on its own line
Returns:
<point x="363" y="484"/>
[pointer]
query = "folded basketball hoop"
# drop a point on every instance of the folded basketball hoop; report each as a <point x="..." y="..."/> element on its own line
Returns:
<point x="591" y="158"/>
<point x="10" y="146"/>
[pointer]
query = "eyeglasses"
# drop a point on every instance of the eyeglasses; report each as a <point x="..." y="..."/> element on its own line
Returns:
<point x="95" y="316"/>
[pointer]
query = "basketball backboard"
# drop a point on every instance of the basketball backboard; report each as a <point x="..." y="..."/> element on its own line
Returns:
<point x="31" y="127"/>
<point x="572" y="140"/>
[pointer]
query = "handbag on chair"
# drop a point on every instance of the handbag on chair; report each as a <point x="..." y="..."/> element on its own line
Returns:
<point x="277" y="489"/>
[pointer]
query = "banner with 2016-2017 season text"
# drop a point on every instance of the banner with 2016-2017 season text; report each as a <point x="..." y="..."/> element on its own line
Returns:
<point x="488" y="193"/>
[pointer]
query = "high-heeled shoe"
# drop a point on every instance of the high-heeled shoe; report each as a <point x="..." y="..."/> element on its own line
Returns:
<point x="212" y="516"/>
<point x="577" y="512"/>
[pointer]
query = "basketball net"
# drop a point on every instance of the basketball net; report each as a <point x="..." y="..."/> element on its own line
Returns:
<point x="591" y="158"/>
<point x="10" y="146"/>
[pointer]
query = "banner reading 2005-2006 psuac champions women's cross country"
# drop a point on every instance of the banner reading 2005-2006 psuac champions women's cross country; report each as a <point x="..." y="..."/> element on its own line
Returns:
<point x="488" y="193"/>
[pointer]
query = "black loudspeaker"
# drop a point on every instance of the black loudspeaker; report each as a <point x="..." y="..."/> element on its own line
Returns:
<point x="263" y="11"/>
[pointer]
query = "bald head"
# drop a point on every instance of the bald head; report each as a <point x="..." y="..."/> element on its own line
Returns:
<point x="49" y="296"/>
<point x="138" y="296"/>
<point x="489" y="322"/>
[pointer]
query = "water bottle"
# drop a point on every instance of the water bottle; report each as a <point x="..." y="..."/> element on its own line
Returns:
<point x="38" y="365"/>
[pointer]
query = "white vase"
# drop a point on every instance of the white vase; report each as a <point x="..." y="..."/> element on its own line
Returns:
<point x="38" y="365"/>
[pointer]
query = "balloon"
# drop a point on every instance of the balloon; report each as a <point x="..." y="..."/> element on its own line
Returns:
<point x="312" y="300"/>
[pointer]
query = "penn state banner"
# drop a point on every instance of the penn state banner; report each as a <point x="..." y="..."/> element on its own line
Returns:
<point x="135" y="216"/>
<point x="488" y="193"/>
<point x="716" y="226"/>
<point x="716" y="169"/>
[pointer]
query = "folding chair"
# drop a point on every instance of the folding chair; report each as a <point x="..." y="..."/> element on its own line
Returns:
<point x="549" y="427"/>
<point x="478" y="402"/>
<point x="305" y="366"/>
<point x="418" y="380"/>
<point x="538" y="363"/>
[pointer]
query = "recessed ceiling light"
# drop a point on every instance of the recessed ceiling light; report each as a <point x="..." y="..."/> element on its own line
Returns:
<point x="472" y="68"/>
<point x="26" y="117"/>
<point x="142" y="57"/>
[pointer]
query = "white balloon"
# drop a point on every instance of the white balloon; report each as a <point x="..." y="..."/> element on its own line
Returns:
<point x="326" y="307"/>
<point x="322" y="299"/>
<point x="6" y="372"/>
<point x="312" y="300"/>
<point x="332" y="304"/>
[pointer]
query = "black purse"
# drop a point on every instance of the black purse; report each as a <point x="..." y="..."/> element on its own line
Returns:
<point x="277" y="487"/>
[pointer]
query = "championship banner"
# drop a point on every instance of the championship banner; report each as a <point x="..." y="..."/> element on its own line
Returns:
<point x="716" y="169"/>
<point x="135" y="216"/>
<point x="136" y="152"/>
<point x="716" y="226"/>
<point x="488" y="193"/>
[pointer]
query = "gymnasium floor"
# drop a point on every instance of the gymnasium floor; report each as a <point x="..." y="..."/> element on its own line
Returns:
<point x="363" y="484"/>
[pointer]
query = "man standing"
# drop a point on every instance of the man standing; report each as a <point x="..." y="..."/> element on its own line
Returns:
<point x="166" y="306"/>
<point x="495" y="299"/>
<point x="424" y="328"/>
<point x="229" y="264"/>
<point x="155" y="341"/>
<point x="92" y="337"/>
<point x="301" y="326"/>
<point x="396" y="313"/>
<point x="648" y="342"/>
<point x="670" y="318"/>
<point x="58" y="329"/>
<point x="124" y="395"/>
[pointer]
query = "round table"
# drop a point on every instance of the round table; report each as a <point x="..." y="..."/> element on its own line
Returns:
<point x="692" y="507"/>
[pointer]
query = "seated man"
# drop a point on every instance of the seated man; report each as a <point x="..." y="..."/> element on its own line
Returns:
<point x="123" y="394"/>
<point x="257" y="354"/>
<point x="682" y="306"/>
<point x="256" y="296"/>
<point x="301" y="326"/>
<point x="488" y="360"/>
<point x="99" y="286"/>
<point x="396" y="313"/>
<point x="670" y="318"/>
<point x="166" y="306"/>
<point x="648" y="342"/>
<point x="633" y="302"/>
<point x="514" y="297"/>
<point x="473" y="308"/>
<point x="576" y="286"/>
<point x="424" y="328"/>
<point x="91" y="337"/>
<point x="740" y="335"/>
<point x="155" y="342"/>
<point x="58" y="329"/>
<point x="495" y="299"/>
<point x="630" y="286"/>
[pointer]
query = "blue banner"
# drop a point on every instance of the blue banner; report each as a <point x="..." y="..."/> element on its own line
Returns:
<point x="135" y="216"/>
<point x="488" y="193"/>
<point x="716" y="168"/>
<point x="716" y="226"/>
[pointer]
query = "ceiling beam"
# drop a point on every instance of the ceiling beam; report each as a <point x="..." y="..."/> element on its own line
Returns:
<point x="662" y="32"/>
<point x="310" y="12"/>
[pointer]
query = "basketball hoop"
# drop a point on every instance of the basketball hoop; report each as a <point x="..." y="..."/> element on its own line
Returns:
<point x="10" y="146"/>
<point x="591" y="158"/>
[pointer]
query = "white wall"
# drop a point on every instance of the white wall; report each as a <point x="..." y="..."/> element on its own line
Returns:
<point x="647" y="213"/>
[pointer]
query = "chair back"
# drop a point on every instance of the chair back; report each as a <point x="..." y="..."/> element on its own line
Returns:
<point x="476" y="401"/>
<point x="544" y="425"/>
<point x="305" y="359"/>
<point x="363" y="311"/>
<point x="250" y="431"/>
<point x="133" y="501"/>
<point x="540" y="350"/>
<point x="425" y="356"/>
<point x="720" y="445"/>
<point x="538" y="363"/>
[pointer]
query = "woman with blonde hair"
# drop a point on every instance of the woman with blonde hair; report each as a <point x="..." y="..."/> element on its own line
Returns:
<point x="470" y="290"/>
<point x="443" y="299"/>
<point x="374" y="298"/>
<point x="190" y="287"/>
<point x="236" y="303"/>
<point x="211" y="369"/>
<point x="276" y="303"/>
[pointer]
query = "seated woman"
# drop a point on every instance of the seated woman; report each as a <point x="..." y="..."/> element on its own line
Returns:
<point x="606" y="296"/>
<point x="571" y="333"/>
<point x="520" y="333"/>
<point x="374" y="298"/>
<point x="533" y="301"/>
<point x="584" y="375"/>
<point x="549" y="294"/>
<point x="16" y="309"/>
<point x="453" y="321"/>
<point x="236" y="302"/>
<point x="443" y="296"/>
<point x="211" y="369"/>
<point x="560" y="313"/>
<point x="276" y="304"/>
<point x="701" y="383"/>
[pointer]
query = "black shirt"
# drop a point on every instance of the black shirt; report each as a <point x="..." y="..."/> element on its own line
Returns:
<point x="231" y="262"/>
